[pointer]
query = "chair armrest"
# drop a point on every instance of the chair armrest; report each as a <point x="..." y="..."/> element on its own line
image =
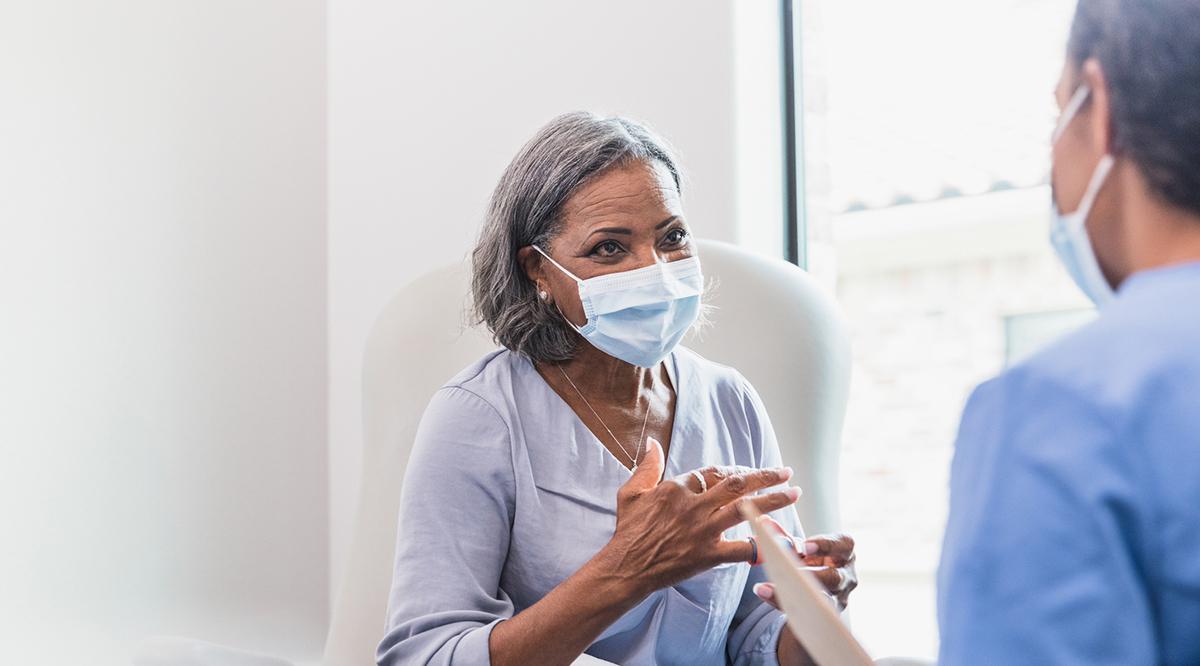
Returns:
<point x="178" y="651"/>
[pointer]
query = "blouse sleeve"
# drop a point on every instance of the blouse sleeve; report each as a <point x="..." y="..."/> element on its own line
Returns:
<point x="754" y="632"/>
<point x="445" y="596"/>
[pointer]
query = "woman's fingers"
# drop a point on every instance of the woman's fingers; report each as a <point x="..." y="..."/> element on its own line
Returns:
<point x="711" y="476"/>
<point x="835" y="581"/>
<point x="838" y="581"/>
<point x="766" y="592"/>
<point x="838" y="548"/>
<point x="730" y="514"/>
<point x="795" y="546"/>
<point x="733" y="551"/>
<point x="835" y="556"/>
<point x="744" y="483"/>
<point x="794" y="543"/>
<point x="831" y="578"/>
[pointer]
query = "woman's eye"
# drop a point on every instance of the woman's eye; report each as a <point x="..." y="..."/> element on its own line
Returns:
<point x="607" y="249"/>
<point x="675" y="236"/>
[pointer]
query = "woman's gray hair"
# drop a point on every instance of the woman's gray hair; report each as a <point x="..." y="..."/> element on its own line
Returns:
<point x="526" y="209"/>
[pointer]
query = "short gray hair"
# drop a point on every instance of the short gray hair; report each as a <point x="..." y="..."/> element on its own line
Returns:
<point x="1150" y="53"/>
<point x="526" y="209"/>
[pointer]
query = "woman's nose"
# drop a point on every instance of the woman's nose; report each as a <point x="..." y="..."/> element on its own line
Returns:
<point x="648" y="257"/>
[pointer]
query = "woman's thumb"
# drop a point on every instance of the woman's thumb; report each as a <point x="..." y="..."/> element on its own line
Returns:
<point x="649" y="469"/>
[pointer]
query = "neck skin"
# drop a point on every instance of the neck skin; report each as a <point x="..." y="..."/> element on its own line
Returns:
<point x="604" y="378"/>
<point x="1153" y="234"/>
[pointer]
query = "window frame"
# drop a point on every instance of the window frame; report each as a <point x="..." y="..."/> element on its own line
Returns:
<point x="795" y="226"/>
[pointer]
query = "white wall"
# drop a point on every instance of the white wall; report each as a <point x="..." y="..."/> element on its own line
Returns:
<point x="429" y="102"/>
<point x="162" y="326"/>
<point x="758" y="129"/>
<point x="171" y="289"/>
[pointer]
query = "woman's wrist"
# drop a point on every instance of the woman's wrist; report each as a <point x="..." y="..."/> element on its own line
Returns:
<point x="607" y="577"/>
<point x="789" y="651"/>
<point x="570" y="617"/>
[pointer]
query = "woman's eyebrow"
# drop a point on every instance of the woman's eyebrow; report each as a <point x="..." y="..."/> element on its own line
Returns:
<point x="626" y="230"/>
<point x="611" y="230"/>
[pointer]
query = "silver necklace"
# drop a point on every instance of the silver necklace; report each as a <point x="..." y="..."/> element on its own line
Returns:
<point x="638" y="451"/>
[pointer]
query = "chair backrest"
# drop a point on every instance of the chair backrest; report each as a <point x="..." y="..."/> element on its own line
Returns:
<point x="772" y="322"/>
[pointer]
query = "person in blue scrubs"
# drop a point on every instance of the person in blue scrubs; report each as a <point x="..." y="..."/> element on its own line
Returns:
<point x="1074" y="528"/>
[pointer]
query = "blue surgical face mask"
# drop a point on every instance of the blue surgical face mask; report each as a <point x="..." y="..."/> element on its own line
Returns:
<point x="1068" y="231"/>
<point x="639" y="316"/>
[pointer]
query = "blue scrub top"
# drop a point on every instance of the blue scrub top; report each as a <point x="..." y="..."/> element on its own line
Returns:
<point x="1074" y="529"/>
<point x="532" y="495"/>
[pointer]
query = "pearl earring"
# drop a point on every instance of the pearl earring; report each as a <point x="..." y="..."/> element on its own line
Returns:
<point x="543" y="295"/>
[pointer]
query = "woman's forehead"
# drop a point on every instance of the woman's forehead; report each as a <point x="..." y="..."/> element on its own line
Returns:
<point x="633" y="190"/>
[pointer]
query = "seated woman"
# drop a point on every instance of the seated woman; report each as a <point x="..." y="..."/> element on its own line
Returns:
<point x="578" y="490"/>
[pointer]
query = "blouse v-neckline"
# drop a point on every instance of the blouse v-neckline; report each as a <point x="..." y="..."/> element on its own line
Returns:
<point x="671" y="363"/>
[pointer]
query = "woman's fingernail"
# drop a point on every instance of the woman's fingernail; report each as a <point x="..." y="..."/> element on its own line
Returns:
<point x="810" y="548"/>
<point x="786" y="473"/>
<point x="792" y="493"/>
<point x="763" y="591"/>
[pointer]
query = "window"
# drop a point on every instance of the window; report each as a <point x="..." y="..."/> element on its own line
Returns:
<point x="1028" y="332"/>
<point x="923" y="157"/>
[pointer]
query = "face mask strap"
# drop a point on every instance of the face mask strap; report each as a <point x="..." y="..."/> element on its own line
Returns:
<point x="558" y="265"/>
<point x="1093" y="188"/>
<point x="1068" y="113"/>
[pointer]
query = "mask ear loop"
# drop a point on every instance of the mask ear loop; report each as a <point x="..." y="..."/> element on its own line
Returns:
<point x="1069" y="111"/>
<point x="1093" y="188"/>
<point x="569" y="274"/>
<point x="556" y="264"/>
<point x="1106" y="162"/>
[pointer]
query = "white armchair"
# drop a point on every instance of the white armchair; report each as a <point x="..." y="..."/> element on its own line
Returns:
<point x="772" y="322"/>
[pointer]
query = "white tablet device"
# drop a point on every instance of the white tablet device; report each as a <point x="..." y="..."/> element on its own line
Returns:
<point x="802" y="597"/>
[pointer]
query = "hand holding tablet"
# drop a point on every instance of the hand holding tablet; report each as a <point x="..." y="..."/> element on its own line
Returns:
<point x="810" y="616"/>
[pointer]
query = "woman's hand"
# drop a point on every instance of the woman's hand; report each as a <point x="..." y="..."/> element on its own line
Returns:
<point x="833" y="555"/>
<point x="668" y="531"/>
<point x="829" y="557"/>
